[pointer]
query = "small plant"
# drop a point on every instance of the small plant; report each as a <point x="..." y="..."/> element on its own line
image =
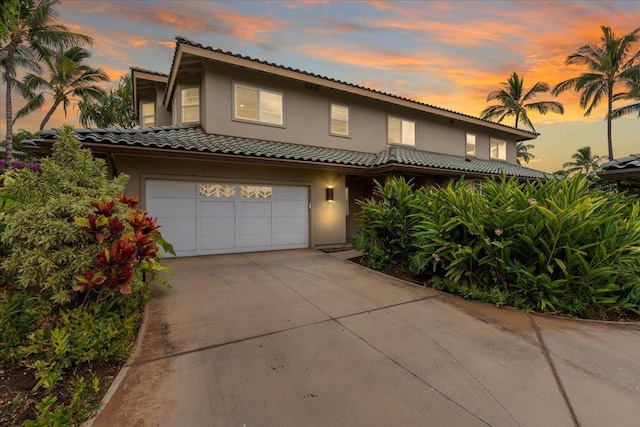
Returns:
<point x="389" y="220"/>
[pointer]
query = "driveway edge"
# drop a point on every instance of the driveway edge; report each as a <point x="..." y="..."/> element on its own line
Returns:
<point x="123" y="371"/>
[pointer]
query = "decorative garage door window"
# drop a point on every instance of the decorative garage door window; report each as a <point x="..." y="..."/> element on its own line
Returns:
<point x="217" y="190"/>
<point x="256" y="192"/>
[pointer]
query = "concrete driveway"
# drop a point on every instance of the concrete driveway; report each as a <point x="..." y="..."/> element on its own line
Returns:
<point x="303" y="338"/>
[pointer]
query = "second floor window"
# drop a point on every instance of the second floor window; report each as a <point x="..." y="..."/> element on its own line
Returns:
<point x="471" y="144"/>
<point x="190" y="104"/>
<point x="498" y="149"/>
<point x="339" y="120"/>
<point x="259" y="105"/>
<point x="401" y="131"/>
<point x="147" y="114"/>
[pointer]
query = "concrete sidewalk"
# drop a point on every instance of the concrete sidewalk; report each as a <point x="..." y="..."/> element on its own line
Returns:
<point x="303" y="338"/>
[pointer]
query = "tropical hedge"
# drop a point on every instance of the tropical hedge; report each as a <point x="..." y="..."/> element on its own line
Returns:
<point x="552" y="246"/>
<point x="76" y="252"/>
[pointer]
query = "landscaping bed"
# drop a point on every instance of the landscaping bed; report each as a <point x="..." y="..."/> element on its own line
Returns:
<point x="77" y="257"/>
<point x="559" y="246"/>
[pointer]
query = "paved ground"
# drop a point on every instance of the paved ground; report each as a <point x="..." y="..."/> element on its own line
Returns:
<point x="302" y="338"/>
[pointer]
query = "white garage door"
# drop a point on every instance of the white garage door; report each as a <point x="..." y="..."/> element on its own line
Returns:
<point x="201" y="218"/>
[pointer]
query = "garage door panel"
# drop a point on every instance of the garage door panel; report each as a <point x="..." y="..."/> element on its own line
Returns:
<point x="178" y="207"/>
<point x="285" y="239"/>
<point x="218" y="209"/>
<point x="183" y="243"/>
<point x="255" y="209"/>
<point x="173" y="227"/>
<point x="256" y="240"/>
<point x="290" y="193"/>
<point x="290" y="208"/>
<point x="290" y="225"/>
<point x="218" y="242"/>
<point x="173" y="189"/>
<point x="217" y="226"/>
<point x="255" y="225"/>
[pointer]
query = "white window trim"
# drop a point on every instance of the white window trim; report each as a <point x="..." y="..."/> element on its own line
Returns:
<point x="331" y="132"/>
<point x="500" y="142"/>
<point x="181" y="109"/>
<point x="142" y="117"/>
<point x="415" y="131"/>
<point x="467" y="143"/>
<point x="258" y="88"/>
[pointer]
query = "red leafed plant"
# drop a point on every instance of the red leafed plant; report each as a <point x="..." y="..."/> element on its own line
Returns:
<point x="127" y="248"/>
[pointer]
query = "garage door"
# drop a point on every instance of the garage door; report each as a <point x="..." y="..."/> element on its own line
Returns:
<point x="201" y="218"/>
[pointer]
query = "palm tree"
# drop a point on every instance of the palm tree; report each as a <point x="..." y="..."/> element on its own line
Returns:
<point x="583" y="161"/>
<point x="68" y="75"/>
<point x="523" y="153"/>
<point x="32" y="34"/>
<point x="633" y="94"/>
<point x="114" y="109"/>
<point x="513" y="102"/>
<point x="608" y="64"/>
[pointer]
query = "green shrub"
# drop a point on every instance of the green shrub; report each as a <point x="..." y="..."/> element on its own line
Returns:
<point x="20" y="313"/>
<point x="71" y="229"/>
<point x="47" y="249"/>
<point x="95" y="332"/>
<point x="388" y="221"/>
<point x="78" y="252"/>
<point x="557" y="245"/>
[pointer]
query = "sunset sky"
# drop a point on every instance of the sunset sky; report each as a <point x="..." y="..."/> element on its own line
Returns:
<point x="448" y="54"/>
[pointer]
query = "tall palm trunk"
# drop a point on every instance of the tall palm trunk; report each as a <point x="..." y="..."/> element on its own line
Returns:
<point x="9" y="116"/>
<point x="49" y="114"/>
<point x="609" y="109"/>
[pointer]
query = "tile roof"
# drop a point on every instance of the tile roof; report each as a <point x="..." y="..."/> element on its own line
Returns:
<point x="413" y="157"/>
<point x="629" y="162"/>
<point x="195" y="139"/>
<point x="154" y="73"/>
<point x="185" y="41"/>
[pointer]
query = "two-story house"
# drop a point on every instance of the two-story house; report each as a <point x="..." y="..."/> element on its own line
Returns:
<point x="237" y="154"/>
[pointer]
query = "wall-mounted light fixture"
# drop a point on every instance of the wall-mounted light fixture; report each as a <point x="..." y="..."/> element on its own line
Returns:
<point x="329" y="194"/>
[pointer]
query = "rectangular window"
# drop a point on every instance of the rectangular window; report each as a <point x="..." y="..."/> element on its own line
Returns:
<point x="339" y="120"/>
<point x="147" y="114"/>
<point x="190" y="103"/>
<point x="471" y="144"/>
<point x="401" y="131"/>
<point x="258" y="105"/>
<point x="498" y="149"/>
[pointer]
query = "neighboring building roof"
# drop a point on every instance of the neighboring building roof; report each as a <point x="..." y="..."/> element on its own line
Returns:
<point x="145" y="71"/>
<point x="194" y="139"/>
<point x="181" y="42"/>
<point x="623" y="169"/>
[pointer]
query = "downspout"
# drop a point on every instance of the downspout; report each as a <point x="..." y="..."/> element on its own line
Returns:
<point x="114" y="168"/>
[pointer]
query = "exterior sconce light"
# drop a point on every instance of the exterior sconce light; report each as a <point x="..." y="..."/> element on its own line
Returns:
<point x="329" y="194"/>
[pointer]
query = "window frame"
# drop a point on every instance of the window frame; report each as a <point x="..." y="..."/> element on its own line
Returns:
<point x="402" y="120"/>
<point x="142" y="116"/>
<point x="468" y="143"/>
<point x="500" y="142"/>
<point x="259" y="89"/>
<point x="182" y="105"/>
<point x="348" y="121"/>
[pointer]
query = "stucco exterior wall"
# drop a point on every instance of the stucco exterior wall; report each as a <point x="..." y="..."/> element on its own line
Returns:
<point x="306" y="117"/>
<point x="327" y="218"/>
